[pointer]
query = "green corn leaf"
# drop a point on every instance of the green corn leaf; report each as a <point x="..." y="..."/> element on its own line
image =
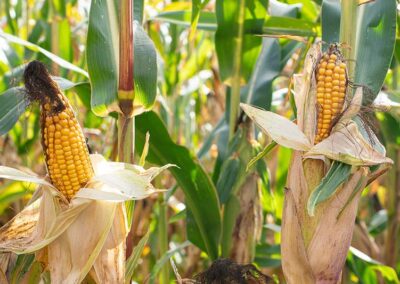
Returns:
<point x="145" y="68"/>
<point x="200" y="193"/>
<point x="63" y="63"/>
<point x="231" y="17"/>
<point x="102" y="58"/>
<point x="227" y="180"/>
<point x="261" y="154"/>
<point x="13" y="104"/>
<point x="330" y="18"/>
<point x="337" y="174"/>
<point x="133" y="260"/>
<point x="274" y="25"/>
<point x="377" y="31"/>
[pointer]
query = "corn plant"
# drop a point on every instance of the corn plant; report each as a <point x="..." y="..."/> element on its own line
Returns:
<point x="275" y="122"/>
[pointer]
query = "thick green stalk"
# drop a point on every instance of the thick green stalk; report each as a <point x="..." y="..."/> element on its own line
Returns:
<point x="348" y="30"/>
<point x="237" y="63"/>
<point x="126" y="138"/>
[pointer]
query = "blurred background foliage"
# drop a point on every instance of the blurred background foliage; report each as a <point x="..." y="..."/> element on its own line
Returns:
<point x="195" y="73"/>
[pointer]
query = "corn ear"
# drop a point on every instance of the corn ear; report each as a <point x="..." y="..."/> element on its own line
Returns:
<point x="331" y="77"/>
<point x="64" y="145"/>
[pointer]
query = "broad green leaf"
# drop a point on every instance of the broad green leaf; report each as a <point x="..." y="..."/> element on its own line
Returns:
<point x="387" y="272"/>
<point x="207" y="20"/>
<point x="370" y="265"/>
<point x="197" y="5"/>
<point x="227" y="179"/>
<point x="274" y="25"/>
<point x="308" y="9"/>
<point x="376" y="28"/>
<point x="63" y="63"/>
<point x="138" y="11"/>
<point x="337" y="174"/>
<point x="330" y="18"/>
<point x="65" y="40"/>
<point x="145" y="68"/>
<point x="13" y="191"/>
<point x="288" y="26"/>
<point x="13" y="103"/>
<point x="377" y="31"/>
<point x="233" y="18"/>
<point x="284" y="10"/>
<point x="201" y="196"/>
<point x="103" y="54"/>
<point x="266" y="69"/>
<point x="133" y="260"/>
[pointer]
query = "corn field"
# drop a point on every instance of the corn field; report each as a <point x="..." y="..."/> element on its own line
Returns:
<point x="224" y="141"/>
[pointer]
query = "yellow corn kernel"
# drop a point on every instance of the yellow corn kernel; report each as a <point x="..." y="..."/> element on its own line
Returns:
<point x="331" y="89"/>
<point x="67" y="156"/>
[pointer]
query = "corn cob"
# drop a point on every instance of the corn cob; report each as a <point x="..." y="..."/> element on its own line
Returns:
<point x="331" y="78"/>
<point x="63" y="142"/>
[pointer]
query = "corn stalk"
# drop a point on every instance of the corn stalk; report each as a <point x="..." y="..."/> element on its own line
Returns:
<point x="325" y="178"/>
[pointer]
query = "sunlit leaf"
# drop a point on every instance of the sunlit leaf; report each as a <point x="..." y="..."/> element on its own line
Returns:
<point x="34" y="47"/>
<point x="13" y="103"/>
<point x="200" y="193"/>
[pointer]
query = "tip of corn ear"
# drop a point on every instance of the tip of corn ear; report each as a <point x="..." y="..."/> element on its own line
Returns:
<point x="39" y="85"/>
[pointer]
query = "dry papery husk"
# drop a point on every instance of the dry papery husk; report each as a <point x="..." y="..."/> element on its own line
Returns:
<point x="314" y="248"/>
<point x="84" y="235"/>
<point x="73" y="238"/>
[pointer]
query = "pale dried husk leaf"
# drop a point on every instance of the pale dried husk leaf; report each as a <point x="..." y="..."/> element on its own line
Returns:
<point x="280" y="129"/>
<point x="348" y="145"/>
<point x="305" y="94"/>
<point x="351" y="110"/>
<point x="335" y="230"/>
<point x="14" y="174"/>
<point x="38" y="224"/>
<point x="305" y="239"/>
<point x="110" y="264"/>
<point x="295" y="261"/>
<point x="4" y="261"/>
<point x="72" y="255"/>
<point x="117" y="182"/>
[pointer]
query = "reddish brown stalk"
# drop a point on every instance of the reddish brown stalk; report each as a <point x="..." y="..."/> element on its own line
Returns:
<point x="125" y="84"/>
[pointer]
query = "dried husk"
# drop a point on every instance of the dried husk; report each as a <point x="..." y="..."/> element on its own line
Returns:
<point x="85" y="234"/>
<point x="314" y="248"/>
<point x="109" y="266"/>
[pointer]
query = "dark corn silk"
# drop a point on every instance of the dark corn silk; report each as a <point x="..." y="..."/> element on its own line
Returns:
<point x="331" y="75"/>
<point x="64" y="145"/>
